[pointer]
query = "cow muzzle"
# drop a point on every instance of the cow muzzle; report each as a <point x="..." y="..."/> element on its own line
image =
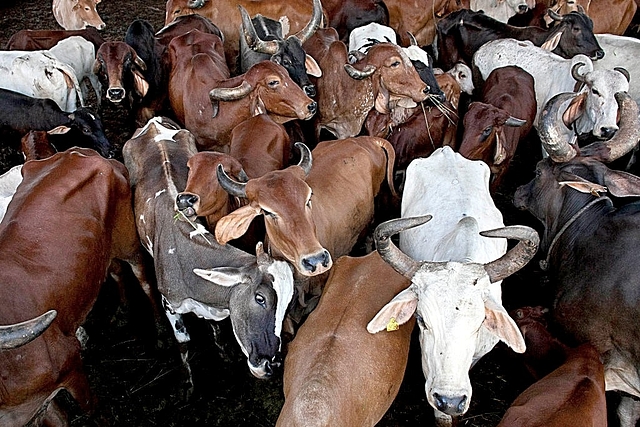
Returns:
<point x="265" y="369"/>
<point x="315" y="264"/>
<point x="115" y="94"/>
<point x="450" y="405"/>
<point x="186" y="203"/>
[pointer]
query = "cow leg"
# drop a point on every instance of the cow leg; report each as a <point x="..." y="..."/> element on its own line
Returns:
<point x="183" y="338"/>
<point x="628" y="411"/>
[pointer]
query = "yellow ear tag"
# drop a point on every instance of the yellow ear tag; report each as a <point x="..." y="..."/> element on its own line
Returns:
<point x="392" y="325"/>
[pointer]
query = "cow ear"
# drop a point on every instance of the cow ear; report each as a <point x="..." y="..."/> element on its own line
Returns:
<point x="397" y="312"/>
<point x="499" y="323"/>
<point x="140" y="83"/>
<point x="223" y="276"/>
<point x="257" y="106"/>
<point x="552" y="43"/>
<point x="59" y="130"/>
<point x="382" y="100"/>
<point x="313" y="69"/>
<point x="235" y="224"/>
<point x="574" y="110"/>
<point x="622" y="184"/>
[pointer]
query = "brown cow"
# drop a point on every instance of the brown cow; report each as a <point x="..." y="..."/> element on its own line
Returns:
<point x="494" y="127"/>
<point x="210" y="104"/>
<point x="383" y="79"/>
<point x="185" y="23"/>
<point x="225" y="14"/>
<point x="64" y="271"/>
<point x="46" y="39"/>
<point x="77" y="14"/>
<point x="609" y="16"/>
<point x="571" y="395"/>
<point x="336" y="373"/>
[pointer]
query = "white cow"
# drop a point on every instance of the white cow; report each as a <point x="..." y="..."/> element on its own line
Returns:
<point x="621" y="51"/>
<point x="501" y="10"/>
<point x="553" y="75"/>
<point x="80" y="54"/>
<point x="39" y="74"/>
<point x="456" y="288"/>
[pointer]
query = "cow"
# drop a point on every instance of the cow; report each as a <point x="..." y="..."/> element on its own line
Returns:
<point x="383" y="79"/>
<point x="20" y="114"/>
<point x="590" y="249"/>
<point x="462" y="33"/>
<point x="226" y="16"/>
<point x="194" y="273"/>
<point x="494" y="126"/>
<point x="77" y="14"/>
<point x="18" y="334"/>
<point x="90" y="199"/>
<point x="46" y="39"/>
<point x="311" y="220"/>
<point x="609" y="17"/>
<point x="210" y="103"/>
<point x="346" y="15"/>
<point x="263" y="38"/>
<point x="621" y="52"/>
<point x="501" y="10"/>
<point x="573" y="394"/>
<point x="320" y="360"/>
<point x="41" y="75"/>
<point x="456" y="273"/>
<point x="141" y="37"/>
<point x="534" y="60"/>
<point x="185" y="23"/>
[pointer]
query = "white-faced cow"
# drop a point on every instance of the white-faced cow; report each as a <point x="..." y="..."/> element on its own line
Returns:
<point x="456" y="266"/>
<point x="591" y="251"/>
<point x="196" y="274"/>
<point x="502" y="10"/>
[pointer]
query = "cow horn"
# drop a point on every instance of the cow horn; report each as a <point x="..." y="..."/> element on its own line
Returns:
<point x="254" y="41"/>
<point x="574" y="71"/>
<point x="401" y="262"/>
<point x="306" y="158"/>
<point x="230" y="93"/>
<point x="550" y="132"/>
<point x="553" y="15"/>
<point x="624" y="72"/>
<point x="625" y="139"/>
<point x="313" y="24"/>
<point x="518" y="256"/>
<point x="357" y="74"/>
<point x="235" y="188"/>
<point x="139" y="62"/>
<point x="412" y="39"/>
<point x="12" y="336"/>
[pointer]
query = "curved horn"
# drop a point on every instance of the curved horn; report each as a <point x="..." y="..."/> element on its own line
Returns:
<point x="254" y="41"/>
<point x="139" y="62"/>
<point x="230" y="93"/>
<point x="551" y="134"/>
<point x="306" y="159"/>
<point x="357" y="74"/>
<point x="401" y="262"/>
<point x="624" y="72"/>
<point x="518" y="256"/>
<point x="12" y="336"/>
<point x="412" y="39"/>
<point x="313" y="24"/>
<point x="625" y="139"/>
<point x="574" y="71"/>
<point x="553" y="15"/>
<point x="235" y="188"/>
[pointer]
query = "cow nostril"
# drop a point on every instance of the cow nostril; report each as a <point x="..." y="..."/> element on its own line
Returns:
<point x="312" y="107"/>
<point x="450" y="405"/>
<point x="325" y="258"/>
<point x="600" y="54"/>
<point x="523" y="8"/>
<point x="310" y="90"/>
<point x="184" y="201"/>
<point x="116" y="93"/>
<point x="607" y="132"/>
<point x="308" y="265"/>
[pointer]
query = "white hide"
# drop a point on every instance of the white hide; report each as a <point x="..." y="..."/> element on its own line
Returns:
<point x="80" y="54"/>
<point x="463" y="75"/>
<point x="621" y="51"/>
<point x="453" y="298"/>
<point x="40" y="75"/>
<point x="500" y="10"/>
<point x="362" y="38"/>
<point x="9" y="182"/>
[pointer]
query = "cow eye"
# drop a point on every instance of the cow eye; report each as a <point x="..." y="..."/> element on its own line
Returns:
<point x="260" y="299"/>
<point x="273" y="83"/>
<point x="595" y="92"/>
<point x="395" y="64"/>
<point x="268" y="213"/>
<point x="421" y="321"/>
<point x="86" y="130"/>
<point x="286" y="62"/>
<point x="487" y="132"/>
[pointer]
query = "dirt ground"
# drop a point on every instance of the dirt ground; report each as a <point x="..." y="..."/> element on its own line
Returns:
<point x="136" y="373"/>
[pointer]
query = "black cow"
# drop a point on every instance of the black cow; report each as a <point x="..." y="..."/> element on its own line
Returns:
<point x="461" y="33"/>
<point x="592" y="255"/>
<point x="20" y="114"/>
<point x="264" y="39"/>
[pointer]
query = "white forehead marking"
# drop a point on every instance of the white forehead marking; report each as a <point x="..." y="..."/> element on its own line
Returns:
<point x="160" y="192"/>
<point x="189" y="305"/>
<point x="199" y="231"/>
<point x="172" y="251"/>
<point x="283" y="285"/>
<point x="142" y="219"/>
<point x="163" y="132"/>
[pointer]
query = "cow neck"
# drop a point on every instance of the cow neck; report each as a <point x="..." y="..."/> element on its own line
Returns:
<point x="544" y="264"/>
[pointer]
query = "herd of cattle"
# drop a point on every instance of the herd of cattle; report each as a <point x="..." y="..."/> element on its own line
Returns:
<point x="276" y="149"/>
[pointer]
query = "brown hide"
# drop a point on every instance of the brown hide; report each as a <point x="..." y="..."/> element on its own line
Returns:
<point x="609" y="16"/>
<point x="185" y="23"/>
<point x="114" y="61"/>
<point x="46" y="39"/>
<point x="508" y="92"/>
<point x="335" y="372"/>
<point x="193" y="75"/>
<point x="572" y="395"/>
<point x="225" y="14"/>
<point x="68" y="219"/>
<point x="36" y="145"/>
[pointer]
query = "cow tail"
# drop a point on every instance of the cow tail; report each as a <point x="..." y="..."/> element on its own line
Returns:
<point x="391" y="161"/>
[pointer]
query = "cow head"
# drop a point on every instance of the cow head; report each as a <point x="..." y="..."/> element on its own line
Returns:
<point x="395" y="79"/>
<point x="84" y="128"/>
<point x="285" y="200"/>
<point x="518" y="6"/>
<point x="454" y="307"/>
<point x="120" y="70"/>
<point x="12" y="336"/>
<point x="272" y="91"/>
<point x="87" y="13"/>
<point x="286" y="52"/>
<point x="423" y="64"/>
<point x="572" y="34"/>
<point x="258" y="303"/>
